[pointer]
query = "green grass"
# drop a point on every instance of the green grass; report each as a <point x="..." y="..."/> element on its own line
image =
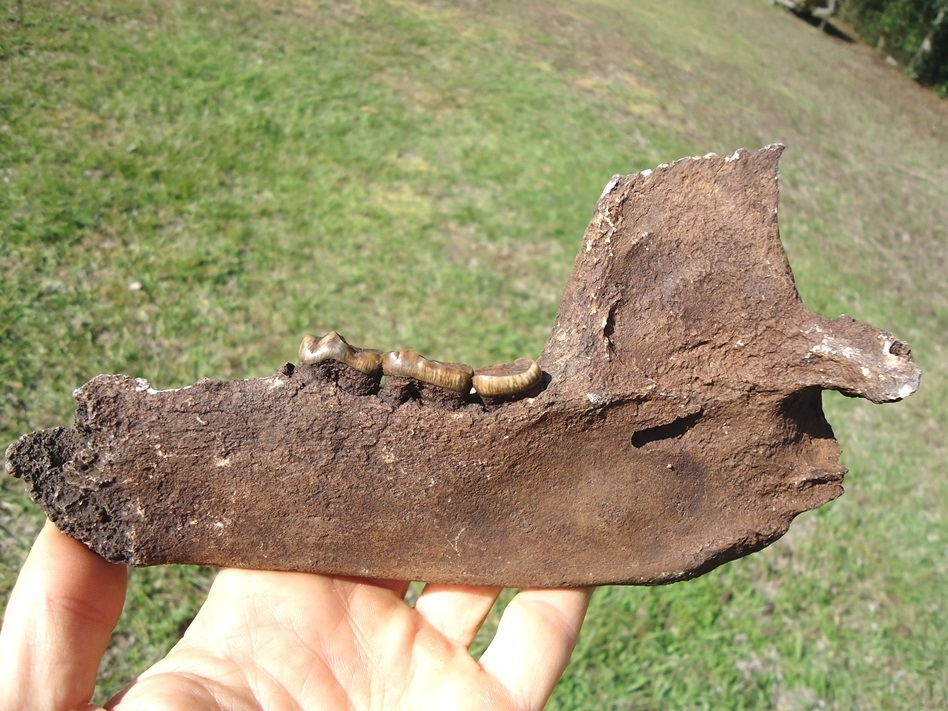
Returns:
<point x="187" y="189"/>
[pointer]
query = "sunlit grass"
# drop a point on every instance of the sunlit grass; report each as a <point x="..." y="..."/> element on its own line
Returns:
<point x="188" y="189"/>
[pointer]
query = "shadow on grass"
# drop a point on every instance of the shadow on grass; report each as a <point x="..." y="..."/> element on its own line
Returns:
<point x="824" y="25"/>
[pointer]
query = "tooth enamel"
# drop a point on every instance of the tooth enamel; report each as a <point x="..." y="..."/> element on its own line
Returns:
<point x="408" y="364"/>
<point x="507" y="378"/>
<point x="332" y="346"/>
<point x="500" y="380"/>
<point x="365" y="360"/>
<point x="315" y="350"/>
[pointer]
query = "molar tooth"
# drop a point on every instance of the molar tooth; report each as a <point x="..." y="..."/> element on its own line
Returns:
<point x="409" y="364"/>
<point x="506" y="379"/>
<point x="365" y="360"/>
<point x="401" y="363"/>
<point x="332" y="346"/>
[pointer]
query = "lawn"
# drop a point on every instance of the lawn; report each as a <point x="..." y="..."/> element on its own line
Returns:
<point x="187" y="189"/>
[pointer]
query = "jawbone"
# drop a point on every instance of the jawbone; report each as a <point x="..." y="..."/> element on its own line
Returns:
<point x="679" y="425"/>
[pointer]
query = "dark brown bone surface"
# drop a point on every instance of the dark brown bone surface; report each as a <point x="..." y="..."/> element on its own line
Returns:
<point x="680" y="425"/>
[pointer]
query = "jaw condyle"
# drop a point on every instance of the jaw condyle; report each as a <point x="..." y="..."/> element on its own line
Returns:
<point x="673" y="422"/>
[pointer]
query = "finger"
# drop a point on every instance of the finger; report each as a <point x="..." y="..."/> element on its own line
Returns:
<point x="57" y="624"/>
<point x="456" y="611"/>
<point x="242" y="584"/>
<point x="534" y="641"/>
<point x="398" y="587"/>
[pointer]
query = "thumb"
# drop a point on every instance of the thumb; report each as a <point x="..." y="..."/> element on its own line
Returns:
<point x="57" y="625"/>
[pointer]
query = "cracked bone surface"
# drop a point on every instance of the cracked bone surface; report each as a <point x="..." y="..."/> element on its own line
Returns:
<point x="680" y="425"/>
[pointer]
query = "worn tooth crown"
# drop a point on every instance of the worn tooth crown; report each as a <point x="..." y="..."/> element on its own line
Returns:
<point x="365" y="360"/>
<point x="408" y="364"/>
<point x="507" y="378"/>
<point x="402" y="363"/>
<point x="332" y="346"/>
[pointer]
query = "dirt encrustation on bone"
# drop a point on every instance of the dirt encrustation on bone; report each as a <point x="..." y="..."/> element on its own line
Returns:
<point x="397" y="390"/>
<point x="348" y="379"/>
<point x="679" y="425"/>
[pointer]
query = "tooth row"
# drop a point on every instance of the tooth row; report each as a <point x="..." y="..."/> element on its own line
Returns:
<point x="493" y="381"/>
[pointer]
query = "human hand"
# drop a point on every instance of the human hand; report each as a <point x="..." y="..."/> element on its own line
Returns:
<point x="269" y="640"/>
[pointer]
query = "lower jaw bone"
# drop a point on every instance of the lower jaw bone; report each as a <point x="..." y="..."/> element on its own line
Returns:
<point x="680" y="426"/>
